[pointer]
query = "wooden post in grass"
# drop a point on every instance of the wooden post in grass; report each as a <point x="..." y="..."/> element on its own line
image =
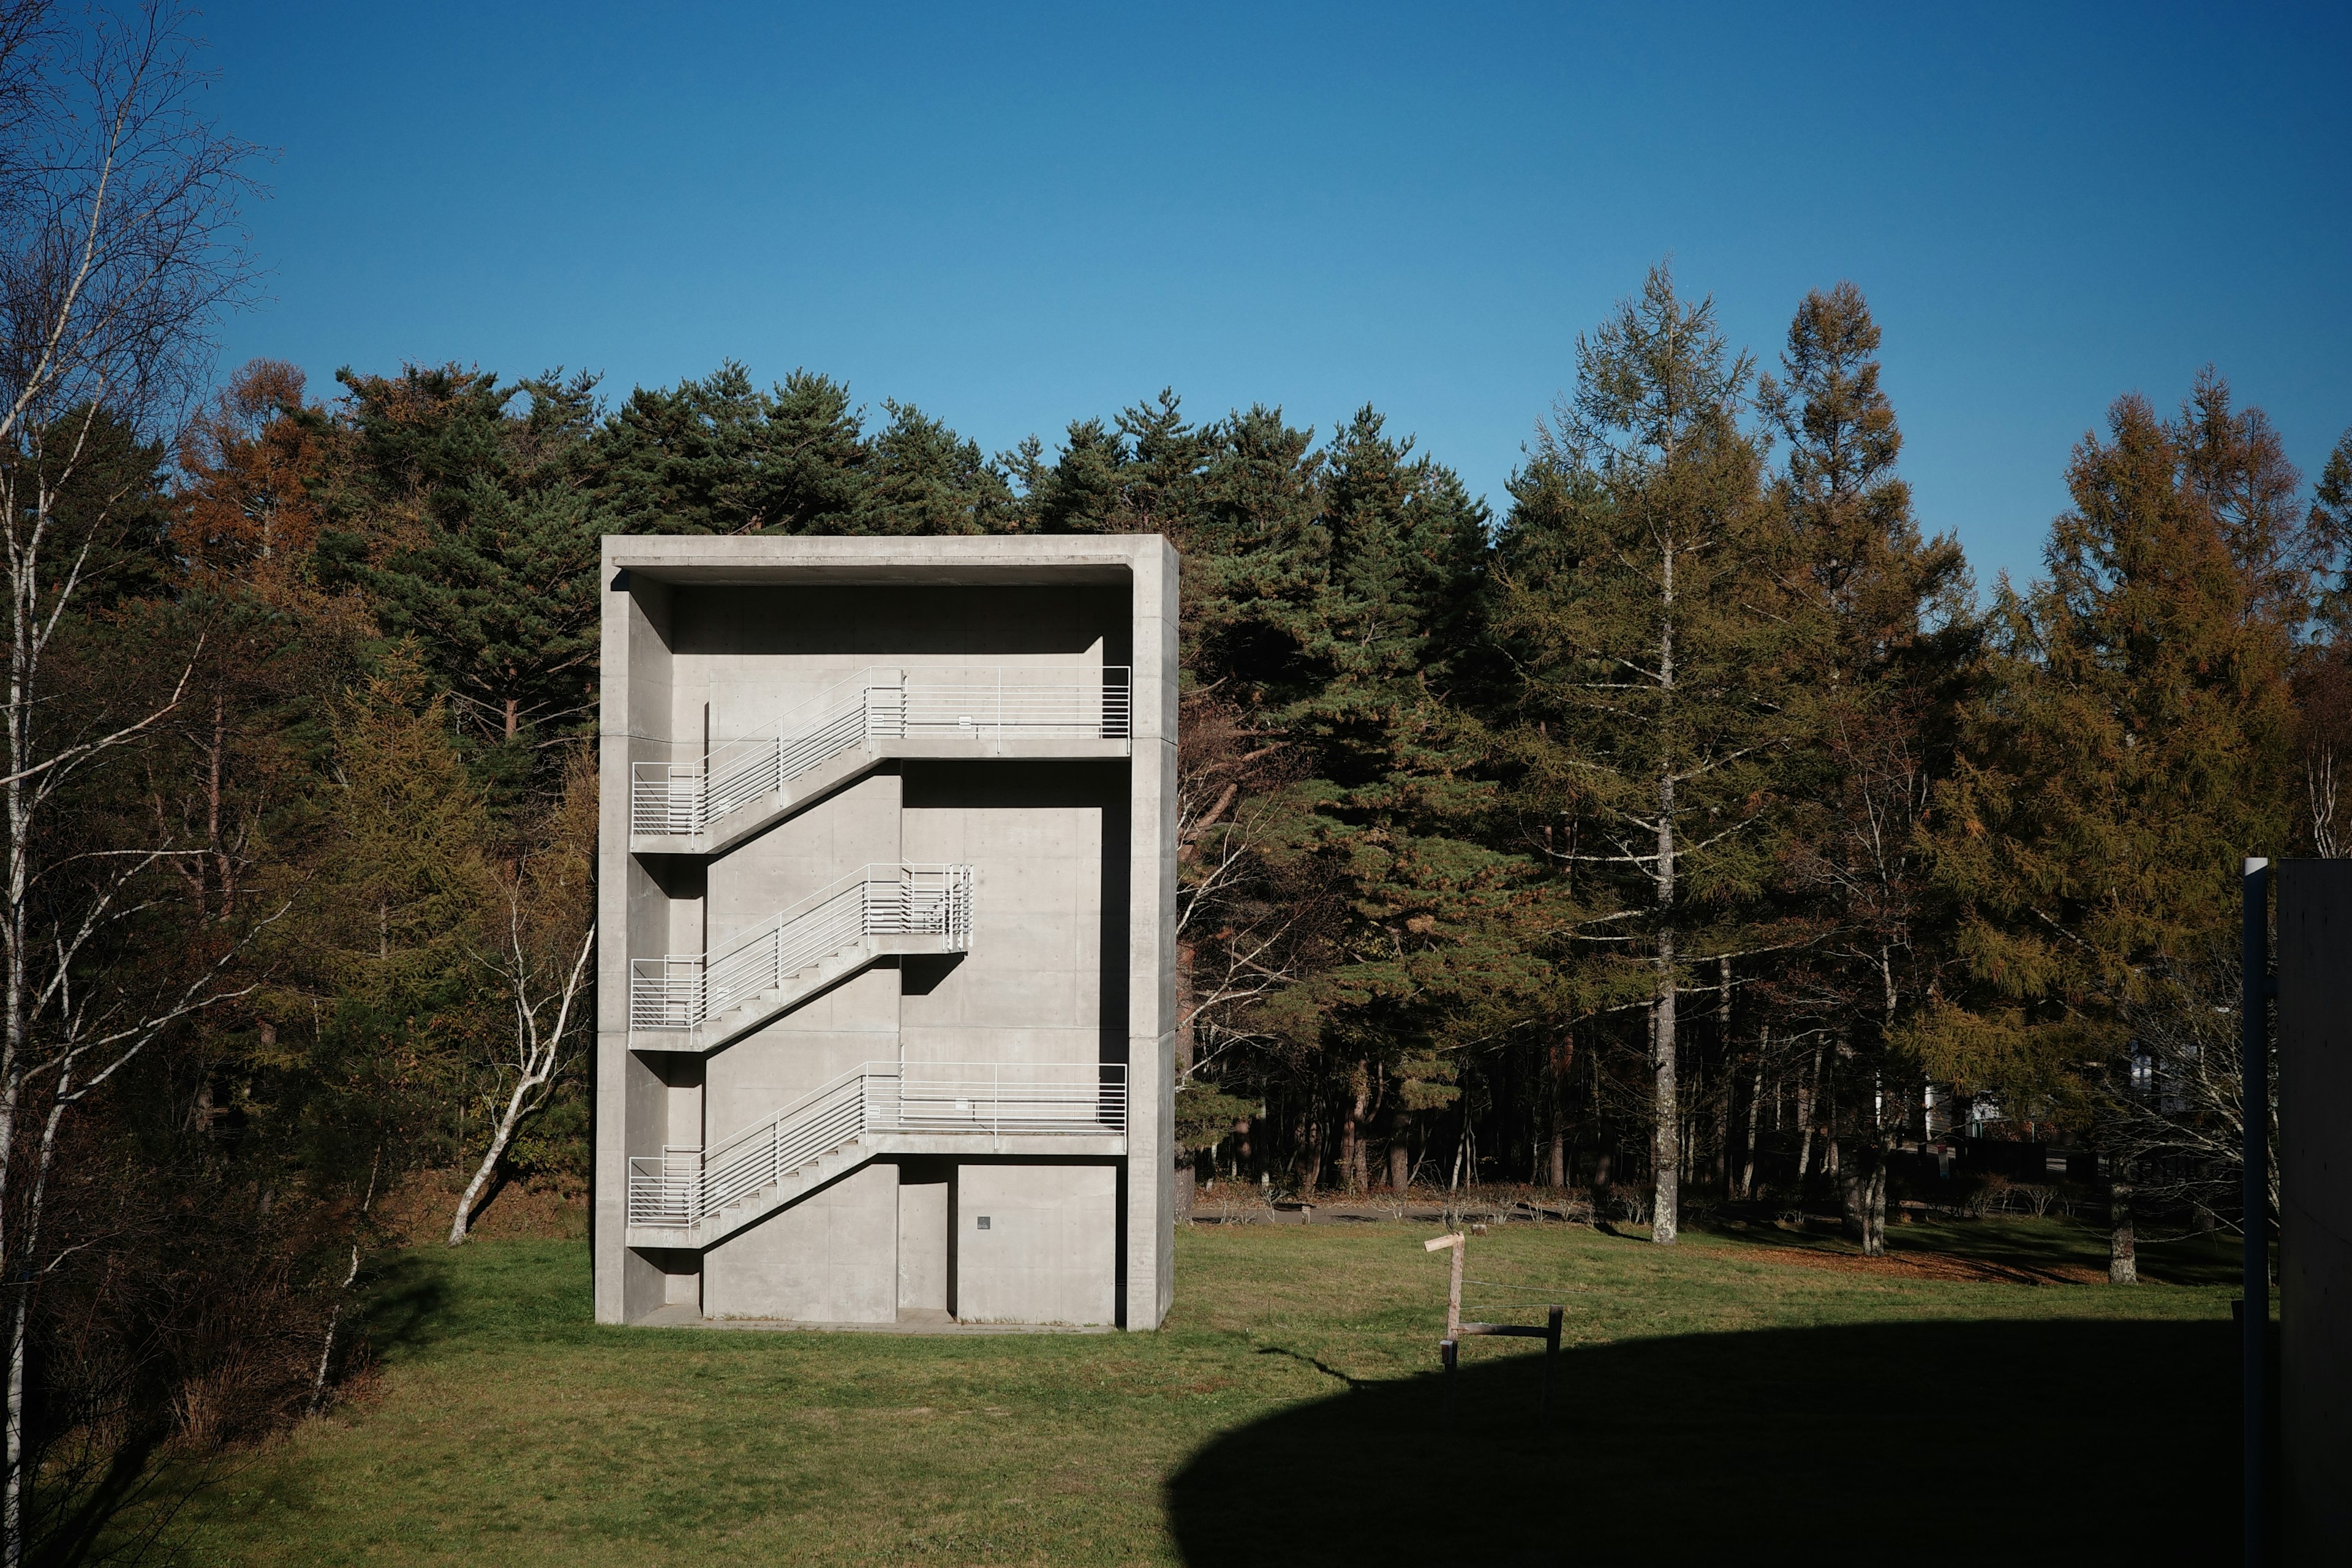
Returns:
<point x="1449" y="1349"/>
<point x="1460" y="1243"/>
<point x="1552" y="1363"/>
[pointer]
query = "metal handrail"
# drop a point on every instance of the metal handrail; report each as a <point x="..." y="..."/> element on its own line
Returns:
<point x="683" y="1185"/>
<point x="978" y="702"/>
<point x="681" y="990"/>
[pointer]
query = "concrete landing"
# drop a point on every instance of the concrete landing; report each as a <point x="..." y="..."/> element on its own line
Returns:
<point x="829" y="777"/>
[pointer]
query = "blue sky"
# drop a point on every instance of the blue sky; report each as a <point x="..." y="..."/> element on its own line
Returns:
<point x="1013" y="217"/>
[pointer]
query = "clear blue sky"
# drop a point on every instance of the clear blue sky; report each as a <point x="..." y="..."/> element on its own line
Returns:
<point x="1015" y="217"/>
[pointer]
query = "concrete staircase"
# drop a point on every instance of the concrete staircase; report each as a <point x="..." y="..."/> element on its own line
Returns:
<point x="691" y="1197"/>
<point x="699" y="1002"/>
<point x="742" y="787"/>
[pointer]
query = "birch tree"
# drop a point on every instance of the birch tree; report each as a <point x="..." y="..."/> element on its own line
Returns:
<point x="1642" y="599"/>
<point x="118" y="231"/>
<point x="542" y="968"/>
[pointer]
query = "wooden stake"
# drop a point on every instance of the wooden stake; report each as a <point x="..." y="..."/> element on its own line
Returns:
<point x="1460" y="1243"/>
<point x="1450" y="1355"/>
<point x="1552" y="1361"/>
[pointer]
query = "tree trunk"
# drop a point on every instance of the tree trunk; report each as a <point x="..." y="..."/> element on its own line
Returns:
<point x="1866" y="1199"/>
<point x="1352" y="1174"/>
<point x="1666" y="1104"/>
<point x="2123" y="1262"/>
<point x="1400" y="1150"/>
<point x="1563" y="1059"/>
<point x="1310" y="1147"/>
<point x="517" y="1108"/>
<point x="1723" y="1130"/>
<point x="1829" y="1114"/>
<point x="1723" y="1059"/>
<point x="1755" y="1102"/>
<point x="1806" y="1090"/>
<point x="212" y="847"/>
<point x="1666" y="1138"/>
<point x="1184" y="1157"/>
<point x="1185" y="1033"/>
<point x="327" y="1349"/>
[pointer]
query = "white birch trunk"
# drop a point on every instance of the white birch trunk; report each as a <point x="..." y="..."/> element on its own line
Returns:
<point x="538" y="1052"/>
<point x="1755" y="1104"/>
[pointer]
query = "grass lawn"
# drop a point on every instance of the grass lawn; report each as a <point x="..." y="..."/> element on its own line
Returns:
<point x="1718" y="1398"/>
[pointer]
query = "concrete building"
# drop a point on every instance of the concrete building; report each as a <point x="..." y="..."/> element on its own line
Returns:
<point x="885" y="998"/>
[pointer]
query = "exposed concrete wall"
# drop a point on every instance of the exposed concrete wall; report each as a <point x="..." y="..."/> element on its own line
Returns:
<point x="856" y="826"/>
<point x="857" y="1020"/>
<point x="753" y="655"/>
<point x="1151" y="938"/>
<point x="832" y="1257"/>
<point x="1036" y="1243"/>
<point x="1072" y="959"/>
<point x="636" y="660"/>
<point x="1031" y="988"/>
<point x="2315" y="1072"/>
<point x="923" y="1220"/>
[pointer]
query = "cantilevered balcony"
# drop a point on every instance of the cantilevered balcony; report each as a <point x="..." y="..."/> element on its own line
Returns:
<point x="708" y="802"/>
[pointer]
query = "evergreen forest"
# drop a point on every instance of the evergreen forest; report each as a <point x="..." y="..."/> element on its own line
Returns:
<point x="1687" y="827"/>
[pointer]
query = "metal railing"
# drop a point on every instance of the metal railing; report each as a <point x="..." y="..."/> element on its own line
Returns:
<point x="978" y="702"/>
<point x="682" y="1185"/>
<point x="679" y="991"/>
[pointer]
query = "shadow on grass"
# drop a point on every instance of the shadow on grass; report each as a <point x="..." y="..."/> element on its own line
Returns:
<point x="407" y="1303"/>
<point x="2082" y="1441"/>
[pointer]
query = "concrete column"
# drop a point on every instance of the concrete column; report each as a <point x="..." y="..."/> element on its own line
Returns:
<point x="1151" y="938"/>
<point x="636" y="669"/>
<point x="2314" y="1146"/>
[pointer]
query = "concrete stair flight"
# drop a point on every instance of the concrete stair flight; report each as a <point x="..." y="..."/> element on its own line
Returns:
<point x="694" y="1197"/>
<point x="742" y="786"/>
<point x="699" y="1001"/>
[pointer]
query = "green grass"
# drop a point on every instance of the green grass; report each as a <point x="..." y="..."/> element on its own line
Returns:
<point x="1712" y="1401"/>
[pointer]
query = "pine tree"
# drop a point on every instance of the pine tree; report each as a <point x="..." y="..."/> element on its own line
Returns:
<point x="1137" y="475"/>
<point x="471" y="529"/>
<point x="1423" y="954"/>
<point x="2328" y="541"/>
<point x="1891" y="608"/>
<point x="922" y="479"/>
<point x="2131" y="744"/>
<point x="1642" y="597"/>
<point x="248" y="462"/>
<point x="2234" y="466"/>
<point x="717" y="456"/>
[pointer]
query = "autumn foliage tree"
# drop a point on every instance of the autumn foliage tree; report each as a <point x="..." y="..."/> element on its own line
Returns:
<point x="1645" y="596"/>
<point x="2132" y="744"/>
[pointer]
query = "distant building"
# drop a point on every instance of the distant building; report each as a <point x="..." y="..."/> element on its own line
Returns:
<point x="886" y="998"/>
